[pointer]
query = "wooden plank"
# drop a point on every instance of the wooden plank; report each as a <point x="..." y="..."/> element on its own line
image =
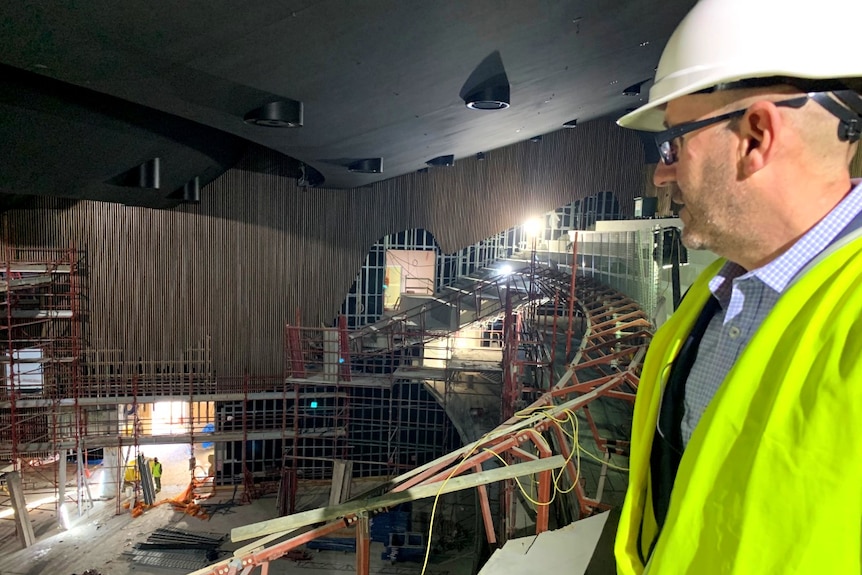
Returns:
<point x="297" y="520"/>
<point x="19" y="505"/>
<point x="342" y="471"/>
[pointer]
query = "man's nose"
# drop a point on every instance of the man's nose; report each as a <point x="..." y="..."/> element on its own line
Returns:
<point x="664" y="175"/>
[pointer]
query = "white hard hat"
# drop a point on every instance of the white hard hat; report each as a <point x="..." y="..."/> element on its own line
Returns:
<point x="722" y="41"/>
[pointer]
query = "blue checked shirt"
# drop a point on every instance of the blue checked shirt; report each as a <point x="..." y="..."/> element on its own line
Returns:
<point x="745" y="299"/>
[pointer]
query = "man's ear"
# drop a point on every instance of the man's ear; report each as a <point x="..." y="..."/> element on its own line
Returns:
<point x="759" y="131"/>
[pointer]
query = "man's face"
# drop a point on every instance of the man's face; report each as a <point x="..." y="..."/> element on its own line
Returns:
<point x="716" y="208"/>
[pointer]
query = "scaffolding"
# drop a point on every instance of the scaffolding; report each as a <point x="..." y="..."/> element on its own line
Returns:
<point x="379" y="394"/>
<point x="40" y="327"/>
<point x="390" y="397"/>
<point x="540" y="441"/>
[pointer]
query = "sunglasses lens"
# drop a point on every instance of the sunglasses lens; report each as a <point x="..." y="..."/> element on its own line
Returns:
<point x="665" y="150"/>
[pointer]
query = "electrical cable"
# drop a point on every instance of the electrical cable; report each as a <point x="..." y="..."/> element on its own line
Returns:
<point x="544" y="412"/>
<point x="437" y="499"/>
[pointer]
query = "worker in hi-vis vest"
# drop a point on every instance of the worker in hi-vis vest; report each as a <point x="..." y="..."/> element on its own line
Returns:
<point x="157" y="473"/>
<point x="746" y="454"/>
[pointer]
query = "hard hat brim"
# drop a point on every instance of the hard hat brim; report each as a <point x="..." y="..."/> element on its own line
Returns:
<point x="650" y="116"/>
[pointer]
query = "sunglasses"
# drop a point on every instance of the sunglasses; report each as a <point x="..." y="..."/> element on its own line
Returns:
<point x="665" y="140"/>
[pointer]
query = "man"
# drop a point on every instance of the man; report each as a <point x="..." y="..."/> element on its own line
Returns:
<point x="747" y="433"/>
<point x="157" y="474"/>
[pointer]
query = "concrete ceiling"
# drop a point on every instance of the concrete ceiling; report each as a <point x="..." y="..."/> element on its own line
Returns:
<point x="91" y="90"/>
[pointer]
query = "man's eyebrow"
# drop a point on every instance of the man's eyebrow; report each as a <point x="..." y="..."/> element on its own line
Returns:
<point x="664" y="123"/>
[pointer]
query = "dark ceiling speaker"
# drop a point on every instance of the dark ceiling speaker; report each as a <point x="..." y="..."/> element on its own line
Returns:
<point x="149" y="175"/>
<point x="571" y="124"/>
<point x="190" y="193"/>
<point x="442" y="161"/>
<point x="489" y="97"/>
<point x="366" y="166"/>
<point x="634" y="89"/>
<point x="146" y="175"/>
<point x="278" y="114"/>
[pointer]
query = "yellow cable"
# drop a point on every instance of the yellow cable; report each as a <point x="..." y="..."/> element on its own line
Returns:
<point x="437" y="499"/>
<point x="575" y="452"/>
<point x="523" y="491"/>
<point x="603" y="462"/>
<point x="590" y="454"/>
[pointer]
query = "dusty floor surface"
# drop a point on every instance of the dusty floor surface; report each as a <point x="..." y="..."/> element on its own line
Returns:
<point x="99" y="538"/>
<point x="98" y="544"/>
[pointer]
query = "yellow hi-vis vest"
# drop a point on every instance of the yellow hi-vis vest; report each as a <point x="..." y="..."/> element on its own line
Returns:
<point x="771" y="480"/>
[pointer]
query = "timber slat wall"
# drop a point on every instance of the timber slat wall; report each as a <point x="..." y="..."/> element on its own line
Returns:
<point x="257" y="247"/>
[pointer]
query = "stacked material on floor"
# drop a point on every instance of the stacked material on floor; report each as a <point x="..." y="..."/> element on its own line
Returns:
<point x="175" y="548"/>
<point x="188" y="502"/>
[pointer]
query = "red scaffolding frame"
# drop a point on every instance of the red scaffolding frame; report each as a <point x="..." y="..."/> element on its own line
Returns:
<point x="606" y="365"/>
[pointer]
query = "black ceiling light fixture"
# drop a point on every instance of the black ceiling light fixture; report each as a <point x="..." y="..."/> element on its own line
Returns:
<point x="278" y="114"/>
<point x="190" y="193"/>
<point x="634" y="89"/>
<point x="366" y="166"/>
<point x="447" y="161"/>
<point x="489" y="98"/>
<point x="145" y="175"/>
<point x="571" y="124"/>
<point x="487" y="88"/>
<point x="480" y="156"/>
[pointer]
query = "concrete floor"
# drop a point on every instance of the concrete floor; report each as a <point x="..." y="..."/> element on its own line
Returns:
<point x="99" y="538"/>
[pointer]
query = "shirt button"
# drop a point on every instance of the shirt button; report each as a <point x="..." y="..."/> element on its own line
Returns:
<point x="734" y="332"/>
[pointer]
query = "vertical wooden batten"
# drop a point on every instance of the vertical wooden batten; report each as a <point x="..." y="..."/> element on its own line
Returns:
<point x="235" y="267"/>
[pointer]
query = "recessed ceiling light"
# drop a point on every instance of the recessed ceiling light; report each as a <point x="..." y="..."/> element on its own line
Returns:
<point x="489" y="98"/>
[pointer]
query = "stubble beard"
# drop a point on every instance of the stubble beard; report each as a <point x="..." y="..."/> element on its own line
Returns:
<point x="716" y="216"/>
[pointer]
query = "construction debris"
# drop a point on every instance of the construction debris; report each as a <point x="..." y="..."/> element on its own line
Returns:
<point x="189" y="501"/>
<point x="176" y="548"/>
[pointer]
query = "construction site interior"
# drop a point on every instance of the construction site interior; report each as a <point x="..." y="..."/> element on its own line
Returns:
<point x="367" y="287"/>
<point x="487" y="405"/>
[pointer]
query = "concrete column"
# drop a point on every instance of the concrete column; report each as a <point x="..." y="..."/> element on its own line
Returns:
<point x="19" y="505"/>
<point x="61" y="487"/>
<point x="112" y="481"/>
